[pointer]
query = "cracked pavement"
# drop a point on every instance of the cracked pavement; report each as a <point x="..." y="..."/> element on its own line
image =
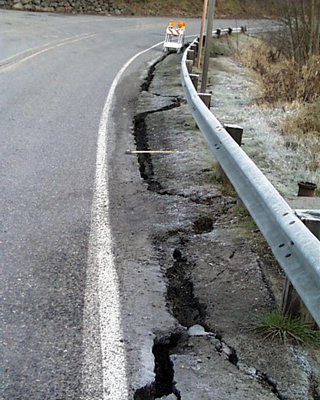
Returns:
<point x="187" y="261"/>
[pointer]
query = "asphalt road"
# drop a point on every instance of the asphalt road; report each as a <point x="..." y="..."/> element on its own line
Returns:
<point x="55" y="74"/>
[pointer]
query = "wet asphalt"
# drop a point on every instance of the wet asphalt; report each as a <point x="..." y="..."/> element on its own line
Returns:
<point x="51" y="100"/>
<point x="50" y="106"/>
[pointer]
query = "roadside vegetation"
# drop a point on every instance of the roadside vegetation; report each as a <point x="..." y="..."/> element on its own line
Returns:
<point x="279" y="326"/>
<point x="188" y="8"/>
<point x="287" y="67"/>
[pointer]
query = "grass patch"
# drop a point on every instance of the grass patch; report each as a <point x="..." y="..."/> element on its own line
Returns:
<point x="190" y="124"/>
<point x="212" y="176"/>
<point x="226" y="188"/>
<point x="279" y="326"/>
<point x="232" y="6"/>
<point x="220" y="47"/>
<point x="244" y="221"/>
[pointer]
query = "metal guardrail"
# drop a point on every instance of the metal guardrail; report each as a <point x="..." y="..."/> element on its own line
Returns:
<point x="294" y="246"/>
<point x="228" y="31"/>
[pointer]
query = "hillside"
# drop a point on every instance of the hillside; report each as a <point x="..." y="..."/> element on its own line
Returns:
<point x="193" y="8"/>
<point x="170" y="8"/>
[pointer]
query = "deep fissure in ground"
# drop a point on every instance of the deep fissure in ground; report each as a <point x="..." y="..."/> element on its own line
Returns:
<point x="180" y="295"/>
<point x="142" y="144"/>
<point x="185" y="307"/>
<point x="164" y="383"/>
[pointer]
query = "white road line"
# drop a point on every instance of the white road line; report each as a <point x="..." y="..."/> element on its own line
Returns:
<point x="115" y="386"/>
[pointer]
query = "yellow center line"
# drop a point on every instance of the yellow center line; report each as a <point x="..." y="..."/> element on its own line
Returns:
<point x="38" y="47"/>
<point x="62" y="42"/>
<point x="44" y="51"/>
<point x="136" y="28"/>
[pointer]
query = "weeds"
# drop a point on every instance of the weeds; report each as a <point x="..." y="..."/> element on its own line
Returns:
<point x="168" y="8"/>
<point x="244" y="221"/>
<point x="277" y="325"/>
<point x="302" y="130"/>
<point x="281" y="80"/>
<point x="226" y="187"/>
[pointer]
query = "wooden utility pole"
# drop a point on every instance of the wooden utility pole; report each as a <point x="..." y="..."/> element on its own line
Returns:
<point x="203" y="21"/>
<point x="207" y="47"/>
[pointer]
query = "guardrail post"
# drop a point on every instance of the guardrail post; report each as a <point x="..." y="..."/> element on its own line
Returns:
<point x="235" y="132"/>
<point x="191" y="56"/>
<point x="206" y="98"/>
<point x="312" y="221"/>
<point x="194" y="47"/>
<point x="230" y="31"/>
<point x="189" y="65"/>
<point x="218" y="31"/>
<point x="291" y="302"/>
<point x="195" y="80"/>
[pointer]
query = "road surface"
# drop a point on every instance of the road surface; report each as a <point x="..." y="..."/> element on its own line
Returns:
<point x="61" y="317"/>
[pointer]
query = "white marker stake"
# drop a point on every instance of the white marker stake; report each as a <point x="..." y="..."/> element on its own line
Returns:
<point x="115" y="385"/>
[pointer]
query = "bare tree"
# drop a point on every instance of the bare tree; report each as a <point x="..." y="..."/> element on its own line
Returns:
<point x="301" y="19"/>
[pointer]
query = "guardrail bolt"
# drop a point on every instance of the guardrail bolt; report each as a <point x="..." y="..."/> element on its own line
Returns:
<point x="195" y="80"/>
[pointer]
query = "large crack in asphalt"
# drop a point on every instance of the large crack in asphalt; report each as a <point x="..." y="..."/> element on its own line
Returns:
<point x="164" y="342"/>
<point x="150" y="75"/>
<point x="189" y="311"/>
<point x="180" y="294"/>
<point x="183" y="304"/>
<point x="164" y="383"/>
<point x="142" y="144"/>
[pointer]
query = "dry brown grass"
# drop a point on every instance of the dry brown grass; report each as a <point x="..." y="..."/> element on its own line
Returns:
<point x="170" y="8"/>
<point x="297" y="89"/>
<point x="302" y="130"/>
<point x="280" y="79"/>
